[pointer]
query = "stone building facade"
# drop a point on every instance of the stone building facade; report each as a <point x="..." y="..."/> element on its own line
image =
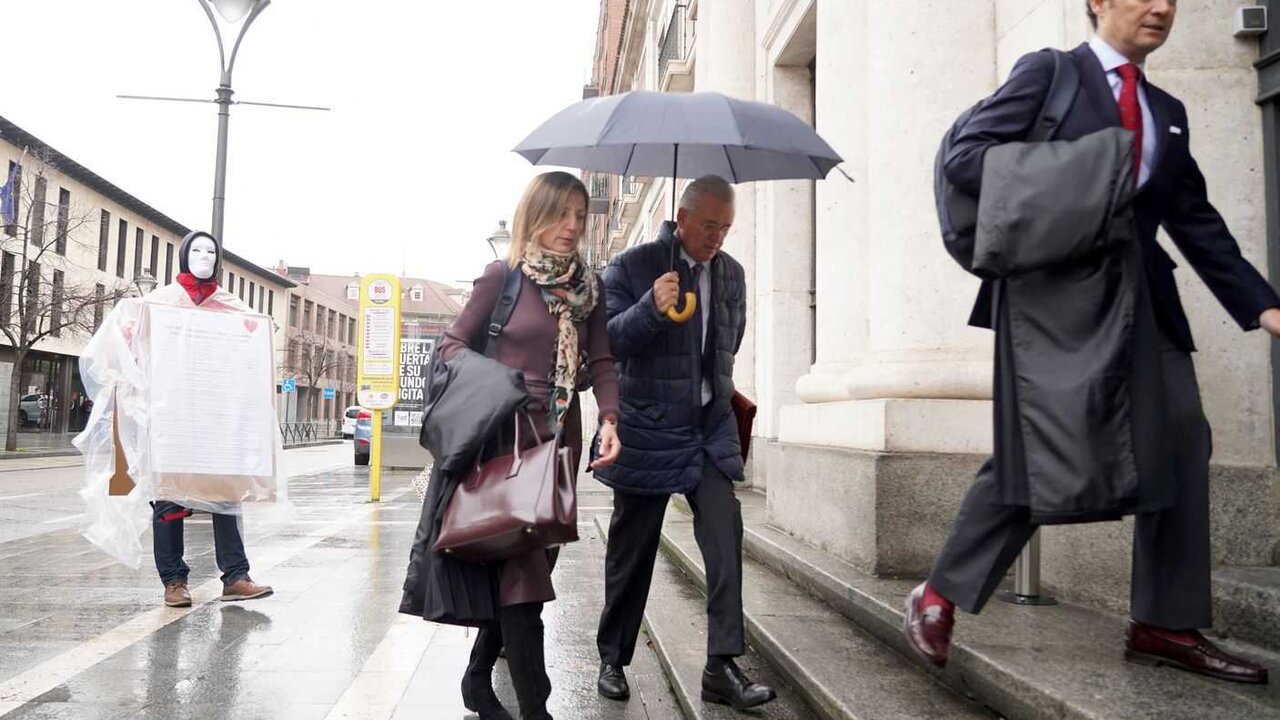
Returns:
<point x="874" y="395"/>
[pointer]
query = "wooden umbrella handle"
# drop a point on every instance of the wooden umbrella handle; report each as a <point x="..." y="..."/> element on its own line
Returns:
<point x="690" y="307"/>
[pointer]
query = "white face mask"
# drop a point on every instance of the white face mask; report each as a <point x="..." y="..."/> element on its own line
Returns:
<point x="202" y="257"/>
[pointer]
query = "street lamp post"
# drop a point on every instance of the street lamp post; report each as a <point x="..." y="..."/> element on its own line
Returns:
<point x="500" y="241"/>
<point x="233" y="11"/>
<point x="144" y="283"/>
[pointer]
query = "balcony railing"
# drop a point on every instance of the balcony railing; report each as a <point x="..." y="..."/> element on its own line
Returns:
<point x="599" y="185"/>
<point x="674" y="45"/>
<point x="615" y="215"/>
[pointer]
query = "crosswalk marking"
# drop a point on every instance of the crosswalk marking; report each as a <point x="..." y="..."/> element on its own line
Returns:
<point x="374" y="693"/>
<point x="33" y="683"/>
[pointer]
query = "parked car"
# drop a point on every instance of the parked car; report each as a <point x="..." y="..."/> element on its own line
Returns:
<point x="363" y="434"/>
<point x="31" y="409"/>
<point x="349" y="422"/>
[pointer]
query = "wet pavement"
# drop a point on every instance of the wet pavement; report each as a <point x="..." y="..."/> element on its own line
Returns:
<point x="82" y="637"/>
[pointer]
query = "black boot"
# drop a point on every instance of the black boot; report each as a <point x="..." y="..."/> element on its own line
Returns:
<point x="724" y="683"/>
<point x="522" y="633"/>
<point x="477" y="682"/>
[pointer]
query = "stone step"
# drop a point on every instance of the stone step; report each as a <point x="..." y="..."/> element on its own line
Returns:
<point x="840" y="671"/>
<point x="675" y="619"/>
<point x="1247" y="605"/>
<point x="1063" y="662"/>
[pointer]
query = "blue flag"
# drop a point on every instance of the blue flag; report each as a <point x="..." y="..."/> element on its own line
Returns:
<point x="8" y="208"/>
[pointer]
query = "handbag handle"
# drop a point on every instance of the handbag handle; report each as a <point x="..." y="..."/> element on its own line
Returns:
<point x="516" y="460"/>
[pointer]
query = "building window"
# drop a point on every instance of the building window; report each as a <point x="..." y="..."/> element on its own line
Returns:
<point x="353" y="291"/>
<point x="122" y="247"/>
<point x="307" y="308"/>
<point x="64" y="219"/>
<point x="155" y="255"/>
<point x="271" y="303"/>
<point x="138" y="237"/>
<point x="342" y="328"/>
<point x="36" y="231"/>
<point x="55" y="305"/>
<point x="351" y="331"/>
<point x="168" y="263"/>
<point x="32" y="307"/>
<point x="241" y="287"/>
<point x="231" y="282"/>
<point x="104" y="240"/>
<point x="6" y="287"/>
<point x="99" y="298"/>
<point x="416" y="293"/>
<point x="252" y="292"/>
<point x="330" y="327"/>
<point x="15" y="172"/>
<point x="293" y="311"/>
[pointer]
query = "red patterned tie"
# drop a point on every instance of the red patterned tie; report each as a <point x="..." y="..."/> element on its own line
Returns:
<point x="1131" y="112"/>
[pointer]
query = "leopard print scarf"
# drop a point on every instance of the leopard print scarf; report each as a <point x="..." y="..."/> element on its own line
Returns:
<point x="571" y="293"/>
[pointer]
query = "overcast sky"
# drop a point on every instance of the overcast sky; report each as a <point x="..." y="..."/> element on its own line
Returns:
<point x="411" y="170"/>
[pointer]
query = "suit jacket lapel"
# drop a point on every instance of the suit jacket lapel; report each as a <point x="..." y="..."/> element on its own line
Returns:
<point x="1094" y="82"/>
<point x="1161" y="116"/>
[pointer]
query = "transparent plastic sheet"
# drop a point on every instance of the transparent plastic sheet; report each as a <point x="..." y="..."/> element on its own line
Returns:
<point x="161" y="419"/>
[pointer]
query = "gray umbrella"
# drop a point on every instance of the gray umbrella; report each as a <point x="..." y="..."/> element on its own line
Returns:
<point x="681" y="135"/>
<point x="652" y="134"/>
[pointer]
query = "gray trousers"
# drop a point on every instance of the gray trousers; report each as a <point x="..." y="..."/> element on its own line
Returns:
<point x="1171" y="554"/>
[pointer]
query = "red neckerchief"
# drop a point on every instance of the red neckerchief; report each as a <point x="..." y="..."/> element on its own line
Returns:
<point x="197" y="289"/>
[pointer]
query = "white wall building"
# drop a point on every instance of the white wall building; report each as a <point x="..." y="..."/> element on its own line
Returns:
<point x="874" y="394"/>
<point x="112" y="238"/>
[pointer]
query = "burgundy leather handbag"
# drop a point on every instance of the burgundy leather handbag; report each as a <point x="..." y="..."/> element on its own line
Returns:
<point x="512" y="504"/>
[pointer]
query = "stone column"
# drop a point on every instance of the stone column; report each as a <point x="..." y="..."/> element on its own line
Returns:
<point x="725" y="63"/>
<point x="784" y="273"/>
<point x="898" y="368"/>
<point x="891" y="420"/>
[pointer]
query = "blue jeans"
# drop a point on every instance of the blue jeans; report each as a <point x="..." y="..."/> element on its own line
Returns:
<point x="167" y="541"/>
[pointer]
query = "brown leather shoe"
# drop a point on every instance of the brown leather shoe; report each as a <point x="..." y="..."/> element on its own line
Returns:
<point x="1188" y="651"/>
<point x="928" y="630"/>
<point x="177" y="595"/>
<point x="244" y="589"/>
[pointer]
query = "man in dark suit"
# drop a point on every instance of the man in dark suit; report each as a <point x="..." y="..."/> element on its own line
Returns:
<point x="1171" y="595"/>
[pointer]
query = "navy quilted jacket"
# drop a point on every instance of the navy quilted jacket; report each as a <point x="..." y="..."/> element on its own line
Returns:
<point x="666" y="436"/>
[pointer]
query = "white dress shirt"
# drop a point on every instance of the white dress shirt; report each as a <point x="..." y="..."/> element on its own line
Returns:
<point x="1112" y="59"/>
<point x="704" y="307"/>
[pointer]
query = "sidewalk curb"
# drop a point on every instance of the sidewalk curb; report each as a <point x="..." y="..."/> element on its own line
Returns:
<point x="38" y="454"/>
<point x="321" y="443"/>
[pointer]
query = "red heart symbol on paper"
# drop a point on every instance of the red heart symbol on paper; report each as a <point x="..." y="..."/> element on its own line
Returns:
<point x="250" y="325"/>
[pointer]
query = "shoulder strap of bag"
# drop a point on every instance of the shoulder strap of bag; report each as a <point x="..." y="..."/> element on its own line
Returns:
<point x="502" y="309"/>
<point x="1062" y="93"/>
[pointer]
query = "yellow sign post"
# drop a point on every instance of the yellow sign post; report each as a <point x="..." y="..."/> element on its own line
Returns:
<point x="378" y="361"/>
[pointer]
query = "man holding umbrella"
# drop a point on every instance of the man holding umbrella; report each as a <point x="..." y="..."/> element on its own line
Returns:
<point x="678" y="433"/>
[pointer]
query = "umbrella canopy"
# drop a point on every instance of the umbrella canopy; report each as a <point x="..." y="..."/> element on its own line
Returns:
<point x="687" y="135"/>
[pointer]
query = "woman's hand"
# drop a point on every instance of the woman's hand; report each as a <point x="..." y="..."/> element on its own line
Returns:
<point x="610" y="448"/>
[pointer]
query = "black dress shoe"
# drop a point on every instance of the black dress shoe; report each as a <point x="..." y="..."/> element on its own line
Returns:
<point x="479" y="698"/>
<point x="613" y="683"/>
<point x="723" y="683"/>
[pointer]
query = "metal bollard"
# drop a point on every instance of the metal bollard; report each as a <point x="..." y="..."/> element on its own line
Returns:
<point x="1026" y="578"/>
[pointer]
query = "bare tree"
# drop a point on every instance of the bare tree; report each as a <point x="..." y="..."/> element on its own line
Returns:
<point x="312" y="357"/>
<point x="43" y="294"/>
